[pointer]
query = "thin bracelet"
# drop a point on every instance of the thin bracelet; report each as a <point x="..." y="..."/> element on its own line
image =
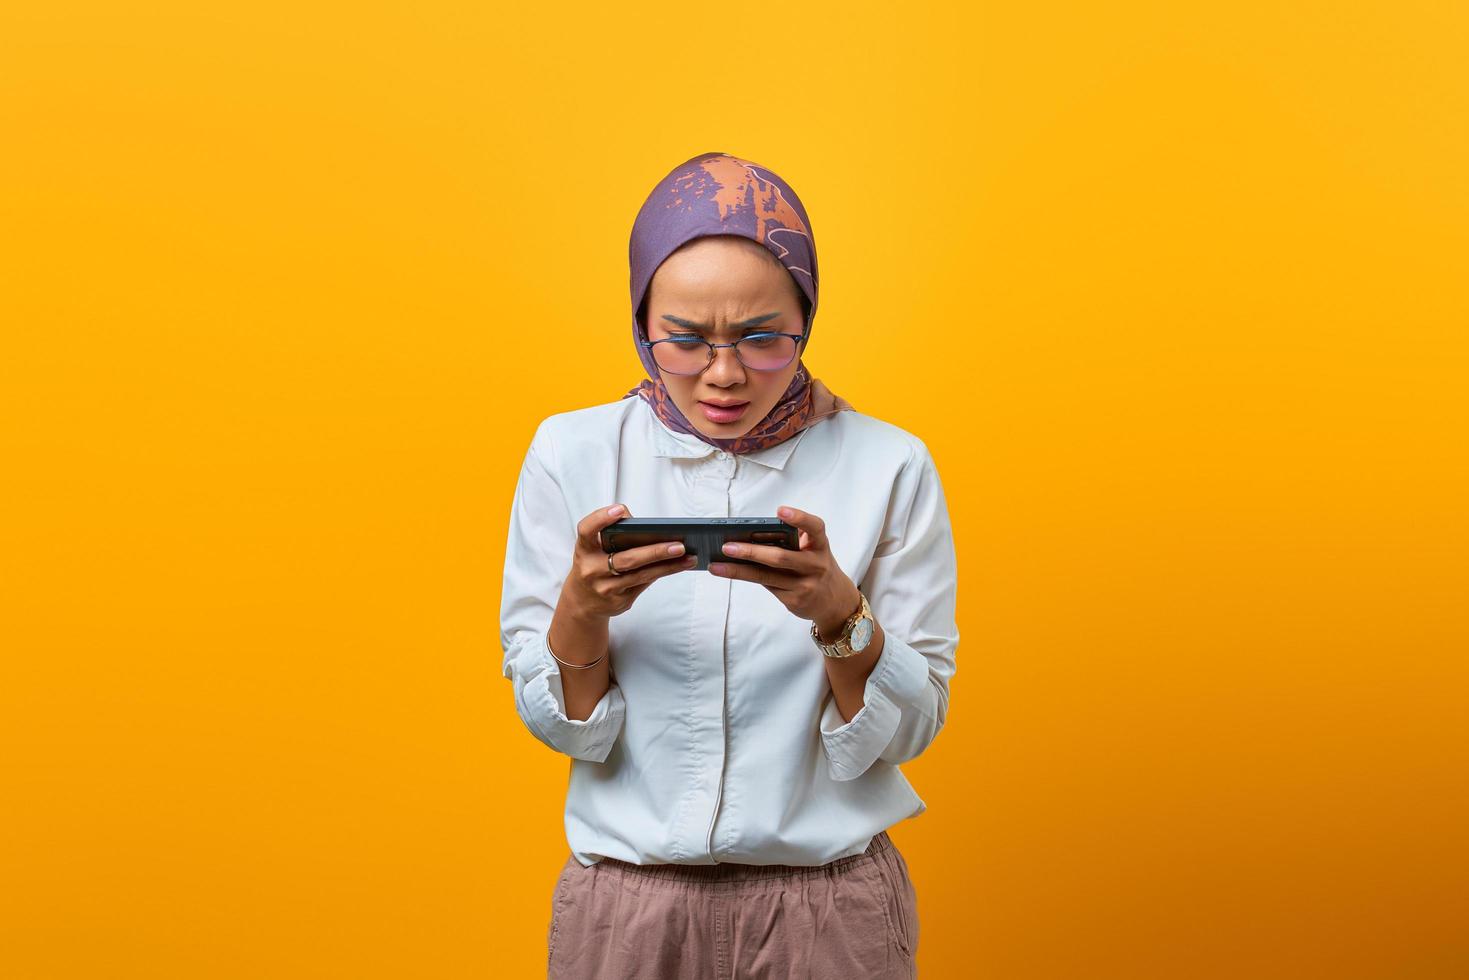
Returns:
<point x="576" y="666"/>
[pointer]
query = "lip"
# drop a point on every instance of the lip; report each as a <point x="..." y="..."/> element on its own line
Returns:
<point x="706" y="401"/>
<point x="723" y="414"/>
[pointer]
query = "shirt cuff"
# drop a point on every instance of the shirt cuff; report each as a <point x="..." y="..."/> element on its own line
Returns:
<point x="590" y="738"/>
<point x="898" y="679"/>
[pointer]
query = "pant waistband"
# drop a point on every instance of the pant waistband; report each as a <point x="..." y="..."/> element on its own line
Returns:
<point x="729" y="871"/>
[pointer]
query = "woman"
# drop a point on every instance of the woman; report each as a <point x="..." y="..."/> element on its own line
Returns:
<point x="735" y="731"/>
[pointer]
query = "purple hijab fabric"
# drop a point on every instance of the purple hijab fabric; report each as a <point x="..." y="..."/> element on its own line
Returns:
<point x="720" y="194"/>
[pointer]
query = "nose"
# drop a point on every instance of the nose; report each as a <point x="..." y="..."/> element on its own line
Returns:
<point x="726" y="368"/>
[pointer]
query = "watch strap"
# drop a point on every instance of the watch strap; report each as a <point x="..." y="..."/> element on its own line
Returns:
<point x="841" y="647"/>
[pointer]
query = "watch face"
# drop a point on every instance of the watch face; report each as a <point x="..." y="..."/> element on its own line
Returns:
<point x="862" y="634"/>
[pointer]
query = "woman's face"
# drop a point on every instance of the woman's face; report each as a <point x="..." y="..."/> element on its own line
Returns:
<point x="710" y="288"/>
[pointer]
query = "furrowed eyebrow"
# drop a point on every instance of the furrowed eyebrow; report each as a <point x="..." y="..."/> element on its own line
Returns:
<point x="743" y="324"/>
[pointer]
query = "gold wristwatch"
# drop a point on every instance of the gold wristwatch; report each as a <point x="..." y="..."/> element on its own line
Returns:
<point x="855" y="636"/>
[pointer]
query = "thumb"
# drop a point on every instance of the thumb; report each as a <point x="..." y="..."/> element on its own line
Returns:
<point x="593" y="523"/>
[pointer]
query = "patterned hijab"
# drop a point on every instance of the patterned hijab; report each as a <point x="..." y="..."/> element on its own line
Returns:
<point x="720" y="194"/>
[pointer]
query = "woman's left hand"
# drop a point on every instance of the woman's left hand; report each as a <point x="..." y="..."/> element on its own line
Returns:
<point x="808" y="582"/>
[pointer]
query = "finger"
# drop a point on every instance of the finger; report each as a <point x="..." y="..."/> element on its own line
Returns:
<point x="651" y="573"/>
<point x="768" y="554"/>
<point x="814" y="526"/>
<point x="646" y="554"/>
<point x="636" y="591"/>
<point x="589" y="528"/>
<point x="770" y="578"/>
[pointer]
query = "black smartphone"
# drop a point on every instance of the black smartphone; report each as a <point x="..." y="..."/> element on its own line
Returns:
<point x="702" y="537"/>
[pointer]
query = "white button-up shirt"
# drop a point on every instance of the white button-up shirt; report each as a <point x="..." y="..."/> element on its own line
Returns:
<point x="719" y="739"/>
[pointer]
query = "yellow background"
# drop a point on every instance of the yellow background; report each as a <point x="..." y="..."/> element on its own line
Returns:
<point x="1175" y="292"/>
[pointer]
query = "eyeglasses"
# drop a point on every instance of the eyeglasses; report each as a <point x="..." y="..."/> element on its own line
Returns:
<point x="689" y="354"/>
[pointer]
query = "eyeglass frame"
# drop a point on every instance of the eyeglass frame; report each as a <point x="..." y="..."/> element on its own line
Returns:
<point x="799" y="338"/>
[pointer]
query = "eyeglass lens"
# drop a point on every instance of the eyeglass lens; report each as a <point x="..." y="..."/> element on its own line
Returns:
<point x="759" y="353"/>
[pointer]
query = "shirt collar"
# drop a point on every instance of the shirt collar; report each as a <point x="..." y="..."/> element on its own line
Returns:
<point x="682" y="445"/>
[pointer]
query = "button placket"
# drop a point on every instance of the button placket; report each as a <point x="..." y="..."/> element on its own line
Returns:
<point x="722" y="467"/>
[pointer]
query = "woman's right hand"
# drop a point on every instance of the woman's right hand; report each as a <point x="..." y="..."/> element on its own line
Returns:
<point x="593" y="589"/>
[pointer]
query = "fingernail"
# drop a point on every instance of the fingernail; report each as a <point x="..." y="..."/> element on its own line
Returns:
<point x="691" y="559"/>
<point x="784" y="512"/>
<point x="717" y="568"/>
<point x="614" y="511"/>
<point x="730" y="548"/>
<point x="675" y="549"/>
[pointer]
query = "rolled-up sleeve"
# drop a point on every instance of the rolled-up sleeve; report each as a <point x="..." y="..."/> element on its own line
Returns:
<point x="538" y="551"/>
<point x="911" y="586"/>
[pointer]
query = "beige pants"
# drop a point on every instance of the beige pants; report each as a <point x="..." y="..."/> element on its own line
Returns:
<point x="856" y="917"/>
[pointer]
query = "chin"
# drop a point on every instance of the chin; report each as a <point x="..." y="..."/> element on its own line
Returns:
<point x="729" y="433"/>
<point x="722" y="431"/>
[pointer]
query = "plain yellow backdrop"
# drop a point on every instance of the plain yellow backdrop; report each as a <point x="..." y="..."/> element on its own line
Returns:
<point x="1175" y="292"/>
